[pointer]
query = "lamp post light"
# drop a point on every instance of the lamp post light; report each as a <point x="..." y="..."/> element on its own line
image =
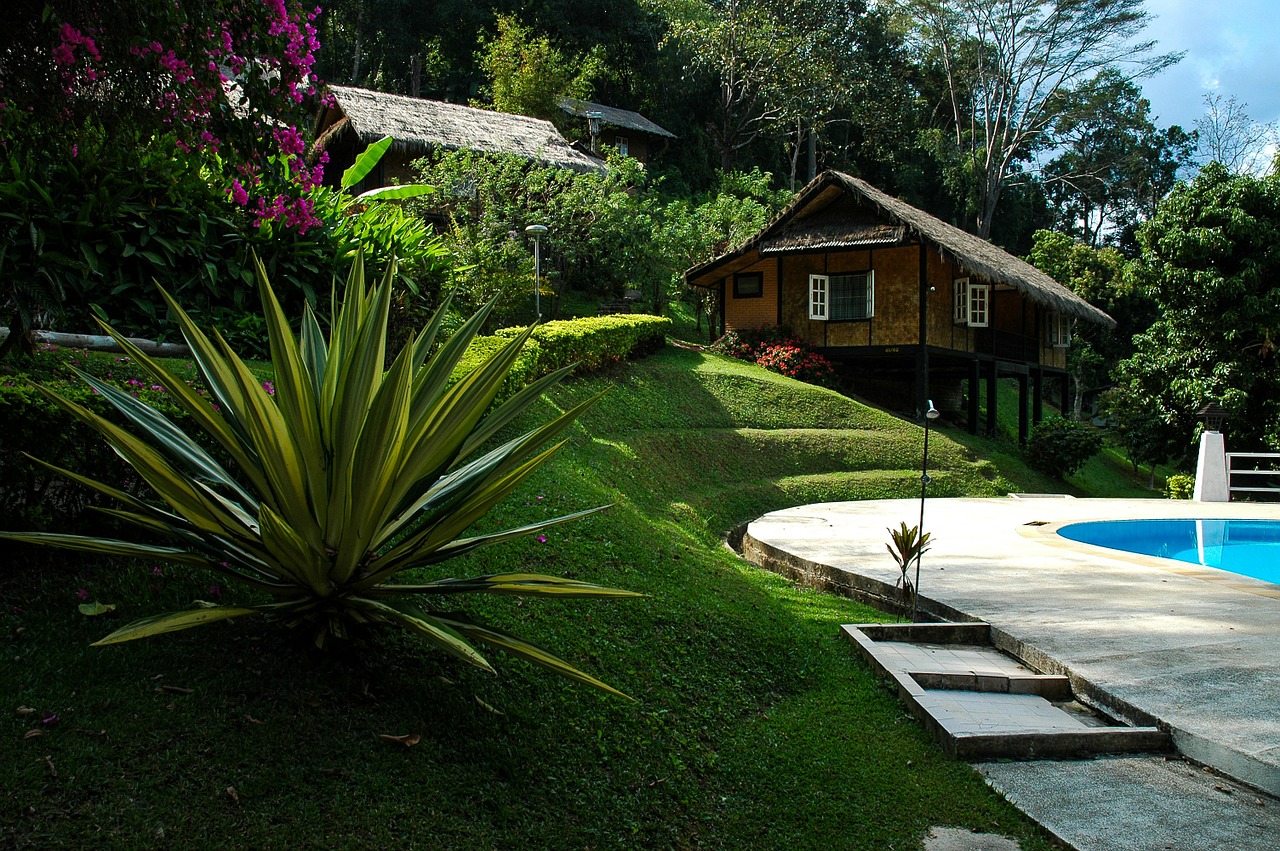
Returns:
<point x="929" y="416"/>
<point x="537" y="232"/>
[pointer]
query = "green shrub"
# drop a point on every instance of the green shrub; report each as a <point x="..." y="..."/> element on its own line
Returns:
<point x="1180" y="486"/>
<point x="92" y="235"/>
<point x="1060" y="446"/>
<point x="31" y="495"/>
<point x="524" y="370"/>
<point x="595" y="342"/>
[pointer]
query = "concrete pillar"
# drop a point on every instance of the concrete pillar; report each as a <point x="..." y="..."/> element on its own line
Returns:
<point x="1211" y="469"/>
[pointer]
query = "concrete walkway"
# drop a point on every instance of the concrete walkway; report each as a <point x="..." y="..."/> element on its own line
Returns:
<point x="1191" y="649"/>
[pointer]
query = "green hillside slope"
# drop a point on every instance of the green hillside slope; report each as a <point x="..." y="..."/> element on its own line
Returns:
<point x="753" y="726"/>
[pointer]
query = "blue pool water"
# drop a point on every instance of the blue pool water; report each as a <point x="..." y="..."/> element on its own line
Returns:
<point x="1246" y="547"/>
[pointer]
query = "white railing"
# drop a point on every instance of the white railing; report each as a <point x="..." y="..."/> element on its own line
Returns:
<point x="1258" y="474"/>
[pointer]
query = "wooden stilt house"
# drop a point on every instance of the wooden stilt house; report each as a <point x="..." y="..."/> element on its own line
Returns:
<point x="908" y="307"/>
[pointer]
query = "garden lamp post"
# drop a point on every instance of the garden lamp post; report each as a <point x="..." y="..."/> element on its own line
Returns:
<point x="537" y="232"/>
<point x="929" y="416"/>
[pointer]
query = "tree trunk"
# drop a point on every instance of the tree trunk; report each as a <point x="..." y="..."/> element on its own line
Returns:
<point x="101" y="343"/>
<point x="355" y="60"/>
<point x="813" y="152"/>
<point x="795" y="153"/>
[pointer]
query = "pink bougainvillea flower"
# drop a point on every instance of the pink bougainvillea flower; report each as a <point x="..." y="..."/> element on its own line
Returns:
<point x="542" y="539"/>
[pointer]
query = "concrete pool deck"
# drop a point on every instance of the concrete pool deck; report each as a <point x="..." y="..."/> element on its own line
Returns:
<point x="1191" y="649"/>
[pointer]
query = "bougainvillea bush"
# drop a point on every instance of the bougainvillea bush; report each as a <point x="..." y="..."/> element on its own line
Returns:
<point x="224" y="78"/>
<point x="774" y="348"/>
<point x="150" y="140"/>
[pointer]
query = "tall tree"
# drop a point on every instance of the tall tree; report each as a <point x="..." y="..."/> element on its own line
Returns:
<point x="1113" y="164"/>
<point x="772" y="62"/>
<point x="1229" y="136"/>
<point x="1211" y="260"/>
<point x="1102" y="277"/>
<point x="528" y="75"/>
<point x="1006" y="65"/>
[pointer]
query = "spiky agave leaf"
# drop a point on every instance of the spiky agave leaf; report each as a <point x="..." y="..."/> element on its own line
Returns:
<point x="347" y="476"/>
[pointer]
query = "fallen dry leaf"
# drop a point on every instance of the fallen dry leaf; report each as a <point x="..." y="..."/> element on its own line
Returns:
<point x="233" y="794"/>
<point x="1223" y="789"/>
<point x="177" y="690"/>
<point x="408" y="741"/>
<point x="251" y="719"/>
<point x="490" y="708"/>
<point x="25" y="710"/>
<point x="31" y="734"/>
<point x="48" y="760"/>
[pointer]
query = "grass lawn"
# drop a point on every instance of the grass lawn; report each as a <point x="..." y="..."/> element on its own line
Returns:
<point x="753" y="725"/>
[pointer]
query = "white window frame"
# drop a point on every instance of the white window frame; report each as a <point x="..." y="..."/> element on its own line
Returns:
<point x="820" y="302"/>
<point x="819" y="296"/>
<point x="960" y="307"/>
<point x="1059" y="330"/>
<point x="979" y="305"/>
<point x="623" y="145"/>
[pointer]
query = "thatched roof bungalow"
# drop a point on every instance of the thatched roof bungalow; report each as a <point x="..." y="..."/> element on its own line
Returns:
<point x="909" y="307"/>
<point x="629" y="132"/>
<point x="360" y="116"/>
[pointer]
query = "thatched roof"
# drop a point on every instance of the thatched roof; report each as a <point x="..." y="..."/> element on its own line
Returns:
<point x="838" y="224"/>
<point x="419" y="126"/>
<point x="841" y="225"/>
<point x="613" y="117"/>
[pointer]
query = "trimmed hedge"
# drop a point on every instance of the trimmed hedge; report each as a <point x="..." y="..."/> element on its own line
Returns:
<point x="595" y="342"/>
<point x="592" y="343"/>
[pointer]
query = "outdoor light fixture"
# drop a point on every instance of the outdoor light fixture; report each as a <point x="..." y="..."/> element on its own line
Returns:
<point x="537" y="232"/>
<point x="1213" y="416"/>
<point x="929" y="416"/>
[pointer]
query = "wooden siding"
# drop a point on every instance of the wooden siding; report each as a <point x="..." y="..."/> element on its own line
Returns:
<point x="896" y="321"/>
<point x="640" y="146"/>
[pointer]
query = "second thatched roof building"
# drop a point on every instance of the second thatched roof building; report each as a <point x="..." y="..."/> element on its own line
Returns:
<point x="359" y="117"/>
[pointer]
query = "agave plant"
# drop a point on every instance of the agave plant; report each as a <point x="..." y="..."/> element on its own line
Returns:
<point x="341" y="481"/>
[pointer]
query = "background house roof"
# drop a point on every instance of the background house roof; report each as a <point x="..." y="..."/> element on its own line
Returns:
<point x="419" y="126"/>
<point x="613" y="116"/>
<point x="790" y="231"/>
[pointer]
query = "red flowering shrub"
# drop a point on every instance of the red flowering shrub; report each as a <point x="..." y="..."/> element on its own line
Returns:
<point x="796" y="360"/>
<point x="774" y="348"/>
<point x="748" y="343"/>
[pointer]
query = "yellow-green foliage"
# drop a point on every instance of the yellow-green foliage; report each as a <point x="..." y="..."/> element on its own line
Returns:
<point x="590" y="343"/>
<point x="1180" y="486"/>
<point x="597" y="341"/>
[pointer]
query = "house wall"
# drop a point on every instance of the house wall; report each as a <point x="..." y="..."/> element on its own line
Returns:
<point x="897" y="292"/>
<point x="896" y="320"/>
<point x="639" y="145"/>
<point x="742" y="313"/>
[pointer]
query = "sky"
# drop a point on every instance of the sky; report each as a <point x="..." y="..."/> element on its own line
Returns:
<point x="1232" y="47"/>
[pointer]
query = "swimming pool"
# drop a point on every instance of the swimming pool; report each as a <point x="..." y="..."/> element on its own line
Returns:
<point x="1247" y="547"/>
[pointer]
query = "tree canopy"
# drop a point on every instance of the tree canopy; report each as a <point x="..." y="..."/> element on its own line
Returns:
<point x="1211" y="261"/>
<point x="1006" y="68"/>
